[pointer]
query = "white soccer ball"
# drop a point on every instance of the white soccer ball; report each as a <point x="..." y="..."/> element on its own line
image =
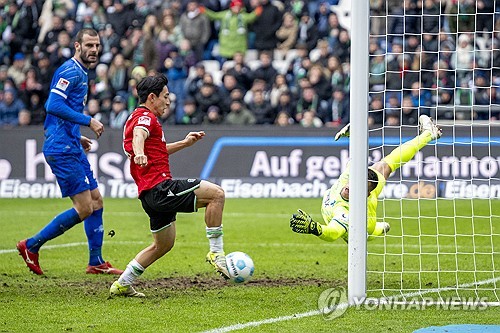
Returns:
<point x="240" y="267"/>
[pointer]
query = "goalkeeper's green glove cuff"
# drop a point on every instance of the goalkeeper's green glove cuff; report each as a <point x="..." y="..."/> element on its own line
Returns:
<point x="344" y="132"/>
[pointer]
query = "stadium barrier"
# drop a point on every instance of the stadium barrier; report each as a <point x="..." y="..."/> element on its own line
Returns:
<point x="266" y="162"/>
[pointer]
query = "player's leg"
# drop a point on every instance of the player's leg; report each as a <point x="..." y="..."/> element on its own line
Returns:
<point x="212" y="197"/>
<point x="94" y="231"/>
<point x="405" y="152"/>
<point x="163" y="241"/>
<point x="73" y="183"/>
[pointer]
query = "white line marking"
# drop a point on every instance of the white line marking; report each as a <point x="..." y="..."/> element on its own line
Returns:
<point x="343" y="305"/>
<point x="58" y="246"/>
<point x="338" y="244"/>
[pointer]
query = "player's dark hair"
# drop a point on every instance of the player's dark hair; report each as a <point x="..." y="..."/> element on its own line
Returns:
<point x="372" y="180"/>
<point x="85" y="31"/>
<point x="151" y="84"/>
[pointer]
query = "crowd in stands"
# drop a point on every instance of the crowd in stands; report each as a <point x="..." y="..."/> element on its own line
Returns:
<point x="242" y="62"/>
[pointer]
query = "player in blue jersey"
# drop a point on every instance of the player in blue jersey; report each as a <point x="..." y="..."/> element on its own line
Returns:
<point x="64" y="150"/>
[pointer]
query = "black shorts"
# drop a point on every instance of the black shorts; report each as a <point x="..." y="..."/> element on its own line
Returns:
<point x="165" y="200"/>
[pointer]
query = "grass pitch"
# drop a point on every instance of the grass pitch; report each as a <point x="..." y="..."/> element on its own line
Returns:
<point x="185" y="294"/>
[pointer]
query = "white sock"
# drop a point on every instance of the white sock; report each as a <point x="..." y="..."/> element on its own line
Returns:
<point x="132" y="272"/>
<point x="214" y="235"/>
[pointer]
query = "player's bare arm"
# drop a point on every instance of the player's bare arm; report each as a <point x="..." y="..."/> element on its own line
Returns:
<point x="140" y="137"/>
<point x="190" y="139"/>
<point x="96" y="126"/>
<point x="86" y="143"/>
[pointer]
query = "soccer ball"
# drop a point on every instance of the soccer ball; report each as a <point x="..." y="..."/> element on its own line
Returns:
<point x="240" y="267"/>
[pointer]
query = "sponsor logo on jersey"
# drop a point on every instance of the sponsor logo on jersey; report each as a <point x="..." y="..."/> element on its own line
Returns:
<point x="62" y="84"/>
<point x="144" y="120"/>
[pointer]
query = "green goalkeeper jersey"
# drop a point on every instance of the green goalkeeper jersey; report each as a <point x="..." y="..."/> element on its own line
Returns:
<point x="336" y="208"/>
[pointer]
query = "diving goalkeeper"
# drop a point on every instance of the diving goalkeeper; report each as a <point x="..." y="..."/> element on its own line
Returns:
<point x="335" y="207"/>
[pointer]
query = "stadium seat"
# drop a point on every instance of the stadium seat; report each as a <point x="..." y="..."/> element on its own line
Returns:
<point x="281" y="66"/>
<point x="211" y="66"/>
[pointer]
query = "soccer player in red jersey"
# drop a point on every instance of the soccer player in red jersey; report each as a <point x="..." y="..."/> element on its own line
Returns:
<point x="161" y="196"/>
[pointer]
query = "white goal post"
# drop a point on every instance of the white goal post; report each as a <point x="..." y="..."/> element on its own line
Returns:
<point x="440" y="58"/>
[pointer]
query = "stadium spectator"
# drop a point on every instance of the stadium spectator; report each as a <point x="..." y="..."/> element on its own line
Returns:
<point x="233" y="28"/>
<point x="10" y="108"/>
<point x="208" y="96"/>
<point x="343" y="47"/>
<point x="375" y="114"/>
<point x="118" y="75"/>
<point x="27" y="28"/>
<point x="44" y="71"/>
<point x="17" y="71"/>
<point x="119" y="17"/>
<point x="265" y="72"/>
<point x="119" y="113"/>
<point x="36" y="109"/>
<point x="174" y="31"/>
<point x="278" y="88"/>
<point x="334" y="29"/>
<point x="308" y="31"/>
<point x="144" y="144"/>
<point x="195" y="82"/>
<point x="317" y="79"/>
<point x="287" y="33"/>
<point x="335" y="207"/>
<point x="321" y="17"/>
<point x="24" y="118"/>
<point x="93" y="109"/>
<point x="195" y="28"/>
<point x="336" y="112"/>
<point x="377" y="20"/>
<point x="213" y="116"/>
<point x="266" y="25"/>
<point x="286" y="103"/>
<point x="283" y="119"/>
<point x="64" y="151"/>
<point x="462" y="60"/>
<point x="241" y="71"/>
<point x="409" y="113"/>
<point x="337" y="77"/>
<point x="239" y="114"/>
<point x="377" y="71"/>
<point x="110" y="43"/>
<point x="310" y="120"/>
<point x="176" y="68"/>
<point x="308" y="101"/>
<point x="261" y="109"/>
<point x="324" y="52"/>
<point x="61" y="50"/>
<point x="191" y="115"/>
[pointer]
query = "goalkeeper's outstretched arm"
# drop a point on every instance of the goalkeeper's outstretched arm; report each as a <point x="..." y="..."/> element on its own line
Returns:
<point x="302" y="223"/>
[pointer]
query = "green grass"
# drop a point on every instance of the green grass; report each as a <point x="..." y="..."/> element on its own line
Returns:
<point x="185" y="295"/>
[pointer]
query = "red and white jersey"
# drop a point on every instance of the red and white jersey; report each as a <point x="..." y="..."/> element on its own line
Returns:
<point x="155" y="148"/>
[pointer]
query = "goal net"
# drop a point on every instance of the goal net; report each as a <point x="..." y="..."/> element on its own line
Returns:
<point x="440" y="58"/>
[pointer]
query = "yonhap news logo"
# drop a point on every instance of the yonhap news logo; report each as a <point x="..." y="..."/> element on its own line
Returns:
<point x="333" y="303"/>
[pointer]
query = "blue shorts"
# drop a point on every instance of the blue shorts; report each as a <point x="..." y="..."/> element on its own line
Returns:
<point x="73" y="173"/>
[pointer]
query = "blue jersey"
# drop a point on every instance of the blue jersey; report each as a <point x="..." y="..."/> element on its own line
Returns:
<point x="67" y="98"/>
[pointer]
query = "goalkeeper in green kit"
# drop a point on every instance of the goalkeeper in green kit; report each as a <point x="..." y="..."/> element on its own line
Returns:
<point x="335" y="207"/>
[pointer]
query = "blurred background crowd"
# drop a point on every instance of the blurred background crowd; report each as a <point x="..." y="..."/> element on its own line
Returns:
<point x="280" y="63"/>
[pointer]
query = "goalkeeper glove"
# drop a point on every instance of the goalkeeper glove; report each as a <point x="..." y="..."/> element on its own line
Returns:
<point x="344" y="132"/>
<point x="302" y="223"/>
